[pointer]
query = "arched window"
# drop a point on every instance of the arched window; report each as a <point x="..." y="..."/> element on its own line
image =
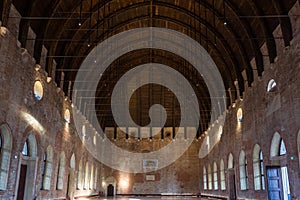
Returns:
<point x="30" y="146"/>
<point x="215" y="176"/>
<point x="67" y="116"/>
<point x="239" y="115"/>
<point x="271" y="85"/>
<point x="83" y="131"/>
<point x="5" y="153"/>
<point x="86" y="177"/>
<point x="79" y="177"/>
<point x="230" y="161"/>
<point x="204" y="179"/>
<point x="282" y="148"/>
<point x="61" y="171"/>
<point x="48" y="170"/>
<point x="222" y="175"/>
<point x="92" y="177"/>
<point x="258" y="169"/>
<point x="278" y="147"/>
<point x="209" y="177"/>
<point x="25" y="151"/>
<point x="243" y="171"/>
<point x="72" y="161"/>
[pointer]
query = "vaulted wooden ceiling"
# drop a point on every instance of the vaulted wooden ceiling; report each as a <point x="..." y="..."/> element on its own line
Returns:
<point x="232" y="32"/>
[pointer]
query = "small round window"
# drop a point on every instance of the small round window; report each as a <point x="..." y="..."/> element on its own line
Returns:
<point x="67" y="116"/>
<point x="239" y="115"/>
<point x="38" y="90"/>
<point x="271" y="85"/>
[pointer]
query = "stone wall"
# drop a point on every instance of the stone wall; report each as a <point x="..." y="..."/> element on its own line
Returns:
<point x="24" y="115"/>
<point x="265" y="113"/>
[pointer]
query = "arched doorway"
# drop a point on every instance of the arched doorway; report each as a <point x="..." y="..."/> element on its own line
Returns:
<point x="277" y="173"/>
<point x="110" y="190"/>
<point x="110" y="186"/>
<point x="27" y="169"/>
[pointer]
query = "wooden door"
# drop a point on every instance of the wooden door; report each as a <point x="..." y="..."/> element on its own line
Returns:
<point x="275" y="191"/>
<point x="22" y="182"/>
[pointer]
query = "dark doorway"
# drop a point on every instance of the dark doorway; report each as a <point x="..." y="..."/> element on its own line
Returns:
<point x="274" y="183"/>
<point x="110" y="190"/>
<point x="22" y="181"/>
<point x="231" y="184"/>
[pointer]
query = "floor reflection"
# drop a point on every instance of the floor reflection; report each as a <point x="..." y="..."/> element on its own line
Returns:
<point x="147" y="198"/>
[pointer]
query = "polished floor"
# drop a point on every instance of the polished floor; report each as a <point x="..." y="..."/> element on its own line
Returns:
<point x="150" y="198"/>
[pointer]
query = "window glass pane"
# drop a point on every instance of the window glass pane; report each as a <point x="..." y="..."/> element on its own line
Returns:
<point x="282" y="148"/>
<point x="25" y="149"/>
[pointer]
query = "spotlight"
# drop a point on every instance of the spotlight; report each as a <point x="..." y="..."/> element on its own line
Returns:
<point x="225" y="23"/>
<point x="79" y="24"/>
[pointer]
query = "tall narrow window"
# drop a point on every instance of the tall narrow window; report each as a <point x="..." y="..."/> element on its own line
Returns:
<point x="282" y="148"/>
<point x="209" y="177"/>
<point x="243" y="171"/>
<point x="25" y="149"/>
<point x="86" y="177"/>
<point x="96" y="178"/>
<point x="222" y="175"/>
<point x="91" y="177"/>
<point x="48" y="170"/>
<point x="258" y="168"/>
<point x="79" y="175"/>
<point x="215" y="176"/>
<point x="61" y="171"/>
<point x="43" y="167"/>
<point x="230" y="161"/>
<point x="204" y="179"/>
<point x="262" y="170"/>
<point x="5" y="153"/>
